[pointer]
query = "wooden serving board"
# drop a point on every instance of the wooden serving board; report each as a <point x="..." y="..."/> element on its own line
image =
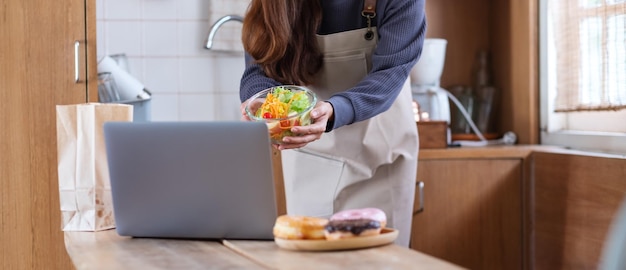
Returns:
<point x="386" y="236"/>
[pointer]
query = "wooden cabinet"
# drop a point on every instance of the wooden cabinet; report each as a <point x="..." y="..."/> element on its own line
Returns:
<point x="37" y="72"/>
<point x="517" y="207"/>
<point x="576" y="197"/>
<point x="472" y="206"/>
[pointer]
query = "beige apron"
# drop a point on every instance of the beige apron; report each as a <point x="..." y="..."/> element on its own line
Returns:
<point x="371" y="163"/>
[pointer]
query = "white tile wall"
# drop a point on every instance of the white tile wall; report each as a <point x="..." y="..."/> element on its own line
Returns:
<point x="164" y="43"/>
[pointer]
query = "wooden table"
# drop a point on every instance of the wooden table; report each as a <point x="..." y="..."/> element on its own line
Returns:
<point x="271" y="256"/>
<point x="108" y="250"/>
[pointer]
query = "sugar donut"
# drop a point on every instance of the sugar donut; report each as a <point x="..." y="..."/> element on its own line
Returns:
<point x="348" y="228"/>
<point x="363" y="213"/>
<point x="299" y="227"/>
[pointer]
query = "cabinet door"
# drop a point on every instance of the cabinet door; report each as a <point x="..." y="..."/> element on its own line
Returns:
<point x="472" y="213"/>
<point x="576" y="198"/>
<point x="37" y="72"/>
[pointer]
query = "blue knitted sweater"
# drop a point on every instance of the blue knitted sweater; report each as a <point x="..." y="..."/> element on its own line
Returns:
<point x="401" y="26"/>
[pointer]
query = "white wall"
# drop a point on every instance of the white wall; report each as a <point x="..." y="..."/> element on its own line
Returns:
<point x="164" y="42"/>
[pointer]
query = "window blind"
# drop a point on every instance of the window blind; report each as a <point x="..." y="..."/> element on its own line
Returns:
<point x="590" y="41"/>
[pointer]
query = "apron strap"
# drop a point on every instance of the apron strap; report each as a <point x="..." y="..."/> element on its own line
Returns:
<point x="369" y="12"/>
<point x="369" y="8"/>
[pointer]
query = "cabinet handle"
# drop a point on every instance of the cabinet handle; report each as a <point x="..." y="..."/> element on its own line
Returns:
<point x="76" y="61"/>
<point x="420" y="189"/>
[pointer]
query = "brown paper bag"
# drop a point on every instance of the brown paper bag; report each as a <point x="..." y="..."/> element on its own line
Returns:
<point x="84" y="185"/>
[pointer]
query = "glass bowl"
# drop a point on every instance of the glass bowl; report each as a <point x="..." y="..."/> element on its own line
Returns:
<point x="281" y="108"/>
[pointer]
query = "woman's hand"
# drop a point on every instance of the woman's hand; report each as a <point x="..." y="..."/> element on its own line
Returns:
<point x="320" y="115"/>
<point x="244" y="115"/>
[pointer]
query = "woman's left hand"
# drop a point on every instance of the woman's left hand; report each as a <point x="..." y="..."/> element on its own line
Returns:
<point x="320" y="115"/>
<point x="244" y="115"/>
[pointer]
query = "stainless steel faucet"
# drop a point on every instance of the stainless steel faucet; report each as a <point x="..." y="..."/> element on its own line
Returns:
<point x="217" y="25"/>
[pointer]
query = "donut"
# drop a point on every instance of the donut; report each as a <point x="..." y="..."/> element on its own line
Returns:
<point x="363" y="213"/>
<point x="299" y="227"/>
<point x="348" y="228"/>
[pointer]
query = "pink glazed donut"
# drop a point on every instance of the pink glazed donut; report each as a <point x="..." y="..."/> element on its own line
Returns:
<point x="364" y="213"/>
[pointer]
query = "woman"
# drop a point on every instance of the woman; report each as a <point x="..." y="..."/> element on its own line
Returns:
<point x="361" y="150"/>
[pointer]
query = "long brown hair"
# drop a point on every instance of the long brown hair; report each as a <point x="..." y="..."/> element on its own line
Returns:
<point x="280" y="35"/>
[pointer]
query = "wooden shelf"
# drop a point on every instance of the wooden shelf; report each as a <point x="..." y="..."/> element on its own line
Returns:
<point x="508" y="30"/>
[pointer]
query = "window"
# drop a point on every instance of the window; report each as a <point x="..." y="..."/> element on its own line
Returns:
<point x="583" y="74"/>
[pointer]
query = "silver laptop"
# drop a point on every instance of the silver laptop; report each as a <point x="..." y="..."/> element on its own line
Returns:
<point x="210" y="180"/>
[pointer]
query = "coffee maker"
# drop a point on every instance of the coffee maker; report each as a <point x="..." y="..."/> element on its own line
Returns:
<point x="425" y="82"/>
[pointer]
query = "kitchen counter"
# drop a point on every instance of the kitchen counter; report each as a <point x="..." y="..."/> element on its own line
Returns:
<point x="108" y="250"/>
<point x="488" y="152"/>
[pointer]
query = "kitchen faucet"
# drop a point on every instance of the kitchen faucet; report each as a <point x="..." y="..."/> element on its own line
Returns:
<point x="217" y="25"/>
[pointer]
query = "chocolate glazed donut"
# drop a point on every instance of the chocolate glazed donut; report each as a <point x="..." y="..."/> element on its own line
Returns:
<point x="340" y="229"/>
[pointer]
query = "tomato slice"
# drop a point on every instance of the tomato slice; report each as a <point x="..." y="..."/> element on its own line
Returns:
<point x="285" y="123"/>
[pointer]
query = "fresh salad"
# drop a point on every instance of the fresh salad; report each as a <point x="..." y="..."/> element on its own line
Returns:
<point x="282" y="103"/>
<point x="286" y="107"/>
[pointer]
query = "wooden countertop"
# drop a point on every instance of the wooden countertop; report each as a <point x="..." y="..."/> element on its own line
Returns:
<point x="108" y="250"/>
<point x="271" y="256"/>
<point x="495" y="151"/>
